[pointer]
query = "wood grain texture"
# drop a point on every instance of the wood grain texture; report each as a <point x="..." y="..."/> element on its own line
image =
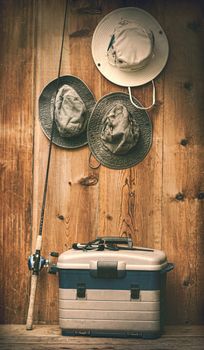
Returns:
<point x="159" y="201"/>
<point x="183" y="162"/>
<point x="49" y="337"/>
<point x="136" y="208"/>
<point x="16" y="133"/>
<point x="71" y="210"/>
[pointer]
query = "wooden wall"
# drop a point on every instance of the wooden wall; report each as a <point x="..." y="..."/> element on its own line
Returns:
<point x="159" y="202"/>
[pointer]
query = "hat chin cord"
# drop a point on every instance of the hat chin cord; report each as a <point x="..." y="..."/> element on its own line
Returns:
<point x="90" y="163"/>
<point x="153" y="98"/>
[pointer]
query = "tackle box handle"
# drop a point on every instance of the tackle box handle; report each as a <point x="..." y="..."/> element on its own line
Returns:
<point x="105" y="242"/>
<point x="117" y="240"/>
<point x="168" y="267"/>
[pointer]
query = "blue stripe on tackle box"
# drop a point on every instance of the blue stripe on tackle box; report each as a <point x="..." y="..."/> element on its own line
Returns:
<point x="146" y="280"/>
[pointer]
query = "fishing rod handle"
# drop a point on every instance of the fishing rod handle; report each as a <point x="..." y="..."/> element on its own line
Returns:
<point x="34" y="278"/>
<point x="29" y="322"/>
<point x="38" y="243"/>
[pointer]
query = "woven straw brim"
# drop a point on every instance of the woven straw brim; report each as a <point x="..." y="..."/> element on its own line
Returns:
<point x="100" y="152"/>
<point x="46" y="101"/>
<point x="105" y="29"/>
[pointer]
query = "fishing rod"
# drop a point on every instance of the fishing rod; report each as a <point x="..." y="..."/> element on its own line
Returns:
<point x="36" y="262"/>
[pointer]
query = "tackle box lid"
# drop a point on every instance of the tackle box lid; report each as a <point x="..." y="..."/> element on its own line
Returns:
<point x="132" y="259"/>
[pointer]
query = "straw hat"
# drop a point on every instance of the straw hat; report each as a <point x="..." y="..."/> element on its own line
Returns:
<point x="71" y="104"/>
<point x="119" y="135"/>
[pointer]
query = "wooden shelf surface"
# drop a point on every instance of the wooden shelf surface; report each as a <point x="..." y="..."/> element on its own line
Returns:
<point x="15" y="337"/>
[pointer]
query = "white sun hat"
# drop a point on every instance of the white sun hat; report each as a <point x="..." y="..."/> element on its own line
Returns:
<point x="130" y="48"/>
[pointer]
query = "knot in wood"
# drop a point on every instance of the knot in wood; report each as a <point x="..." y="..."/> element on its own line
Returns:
<point x="80" y="33"/>
<point x="60" y="217"/>
<point x="195" y="26"/>
<point x="90" y="180"/>
<point x="188" y="85"/>
<point x="184" y="142"/>
<point x="179" y="196"/>
<point x="90" y="10"/>
<point x="200" y="195"/>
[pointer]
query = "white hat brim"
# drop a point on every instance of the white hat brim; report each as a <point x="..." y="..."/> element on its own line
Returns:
<point x="101" y="39"/>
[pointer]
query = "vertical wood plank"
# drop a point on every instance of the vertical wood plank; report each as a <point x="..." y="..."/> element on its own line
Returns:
<point x="48" y="29"/>
<point x="71" y="208"/>
<point x="16" y="133"/>
<point x="130" y="200"/>
<point x="183" y="164"/>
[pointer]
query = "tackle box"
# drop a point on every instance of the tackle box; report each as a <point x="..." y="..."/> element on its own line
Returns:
<point x="110" y="290"/>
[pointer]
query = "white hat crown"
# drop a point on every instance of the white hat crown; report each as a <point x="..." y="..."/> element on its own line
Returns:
<point x="131" y="46"/>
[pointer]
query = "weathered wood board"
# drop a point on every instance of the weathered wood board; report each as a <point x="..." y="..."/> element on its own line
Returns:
<point x="17" y="32"/>
<point x="183" y="162"/>
<point x="15" y="337"/>
<point x="159" y="202"/>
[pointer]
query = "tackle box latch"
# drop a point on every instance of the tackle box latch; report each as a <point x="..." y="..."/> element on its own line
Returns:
<point x="81" y="290"/>
<point x="134" y="291"/>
